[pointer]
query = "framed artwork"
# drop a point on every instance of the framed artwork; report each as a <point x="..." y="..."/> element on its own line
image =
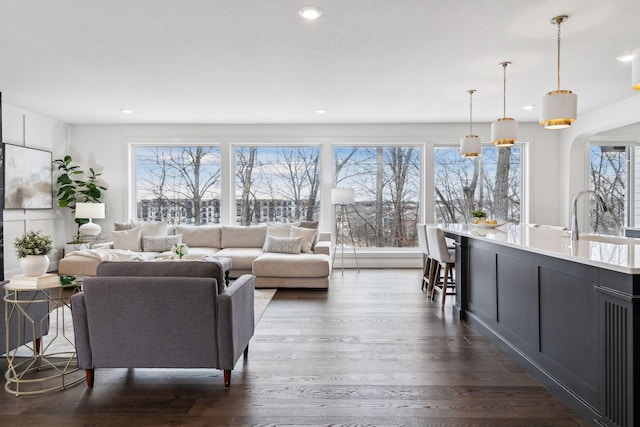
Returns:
<point x="27" y="178"/>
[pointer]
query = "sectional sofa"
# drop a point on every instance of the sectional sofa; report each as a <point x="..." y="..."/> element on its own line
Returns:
<point x="278" y="255"/>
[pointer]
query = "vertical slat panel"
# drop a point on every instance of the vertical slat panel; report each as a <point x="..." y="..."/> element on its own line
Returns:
<point x="615" y="382"/>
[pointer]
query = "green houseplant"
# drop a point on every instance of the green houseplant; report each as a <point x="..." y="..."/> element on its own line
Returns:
<point x="73" y="187"/>
<point x="32" y="248"/>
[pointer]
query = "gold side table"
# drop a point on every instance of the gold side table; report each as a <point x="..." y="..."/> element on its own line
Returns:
<point x="33" y="368"/>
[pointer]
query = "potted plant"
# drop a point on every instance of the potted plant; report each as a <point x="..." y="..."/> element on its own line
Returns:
<point x="479" y="216"/>
<point x="32" y="248"/>
<point x="73" y="188"/>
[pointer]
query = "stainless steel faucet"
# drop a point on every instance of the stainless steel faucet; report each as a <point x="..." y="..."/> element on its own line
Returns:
<point x="574" y="212"/>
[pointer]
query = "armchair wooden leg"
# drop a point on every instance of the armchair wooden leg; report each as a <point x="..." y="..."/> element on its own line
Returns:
<point x="89" y="376"/>
<point x="246" y="352"/>
<point x="227" y="379"/>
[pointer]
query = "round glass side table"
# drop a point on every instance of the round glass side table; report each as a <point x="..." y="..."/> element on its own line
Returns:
<point x="44" y="364"/>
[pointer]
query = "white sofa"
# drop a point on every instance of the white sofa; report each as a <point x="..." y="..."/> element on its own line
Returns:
<point x="258" y="250"/>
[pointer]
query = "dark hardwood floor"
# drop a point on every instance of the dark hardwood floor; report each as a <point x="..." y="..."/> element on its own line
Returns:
<point x="372" y="351"/>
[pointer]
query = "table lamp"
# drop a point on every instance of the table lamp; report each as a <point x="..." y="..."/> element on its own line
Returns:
<point x="89" y="211"/>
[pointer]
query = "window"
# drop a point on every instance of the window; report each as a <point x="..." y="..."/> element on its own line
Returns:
<point x="179" y="184"/>
<point x="609" y="177"/>
<point x="491" y="183"/>
<point x="277" y="184"/>
<point x="386" y="183"/>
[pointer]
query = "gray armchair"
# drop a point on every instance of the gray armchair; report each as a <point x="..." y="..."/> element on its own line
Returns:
<point x="20" y="331"/>
<point x="162" y="315"/>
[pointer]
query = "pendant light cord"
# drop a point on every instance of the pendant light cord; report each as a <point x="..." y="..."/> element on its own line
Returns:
<point x="559" y="21"/>
<point x="504" y="89"/>
<point x="471" y="91"/>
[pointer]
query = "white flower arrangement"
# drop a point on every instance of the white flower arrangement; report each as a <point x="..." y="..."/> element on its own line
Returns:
<point x="180" y="249"/>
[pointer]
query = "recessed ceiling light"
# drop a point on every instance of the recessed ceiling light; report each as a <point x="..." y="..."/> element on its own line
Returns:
<point x="310" y="13"/>
<point x="321" y="111"/>
<point x="528" y="107"/>
<point x="625" y="58"/>
<point x="126" y="111"/>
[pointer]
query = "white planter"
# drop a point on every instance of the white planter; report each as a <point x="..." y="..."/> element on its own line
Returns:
<point x="34" y="265"/>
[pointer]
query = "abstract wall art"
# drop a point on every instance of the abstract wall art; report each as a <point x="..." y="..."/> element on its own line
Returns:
<point x="27" y="178"/>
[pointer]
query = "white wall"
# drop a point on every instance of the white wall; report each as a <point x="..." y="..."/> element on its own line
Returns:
<point x="105" y="147"/>
<point x="21" y="127"/>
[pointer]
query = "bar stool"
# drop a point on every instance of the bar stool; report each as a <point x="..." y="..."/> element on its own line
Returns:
<point x="441" y="256"/>
<point x="421" y="231"/>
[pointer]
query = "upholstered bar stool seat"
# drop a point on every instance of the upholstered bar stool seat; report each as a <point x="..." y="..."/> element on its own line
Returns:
<point x="442" y="256"/>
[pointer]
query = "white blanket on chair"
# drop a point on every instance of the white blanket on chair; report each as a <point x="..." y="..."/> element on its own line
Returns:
<point x="110" y="254"/>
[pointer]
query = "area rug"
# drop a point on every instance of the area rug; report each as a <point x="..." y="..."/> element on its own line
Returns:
<point x="64" y="343"/>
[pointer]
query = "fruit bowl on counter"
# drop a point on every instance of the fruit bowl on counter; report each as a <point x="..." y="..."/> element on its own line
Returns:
<point x="491" y="223"/>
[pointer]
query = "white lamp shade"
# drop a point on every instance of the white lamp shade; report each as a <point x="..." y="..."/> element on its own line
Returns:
<point x="89" y="210"/>
<point x="558" y="109"/>
<point x="635" y="70"/>
<point x="470" y="146"/>
<point x="342" y="196"/>
<point x="504" y="132"/>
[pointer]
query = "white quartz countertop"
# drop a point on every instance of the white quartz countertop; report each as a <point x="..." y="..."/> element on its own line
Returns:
<point x="609" y="252"/>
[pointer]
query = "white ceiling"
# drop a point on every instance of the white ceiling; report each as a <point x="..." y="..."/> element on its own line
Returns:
<point x="257" y="61"/>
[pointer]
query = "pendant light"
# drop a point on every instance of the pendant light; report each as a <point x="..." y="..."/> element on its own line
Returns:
<point x="504" y="131"/>
<point x="635" y="69"/>
<point x="559" y="107"/>
<point x="470" y="145"/>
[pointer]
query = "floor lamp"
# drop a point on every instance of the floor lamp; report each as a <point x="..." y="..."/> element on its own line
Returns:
<point x="343" y="197"/>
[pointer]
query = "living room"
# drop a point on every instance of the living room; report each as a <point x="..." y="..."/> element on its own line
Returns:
<point x="90" y="126"/>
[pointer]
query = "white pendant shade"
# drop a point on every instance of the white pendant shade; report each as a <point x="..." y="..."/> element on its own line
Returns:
<point x="558" y="109"/>
<point x="470" y="146"/>
<point x="504" y="132"/>
<point x="635" y="70"/>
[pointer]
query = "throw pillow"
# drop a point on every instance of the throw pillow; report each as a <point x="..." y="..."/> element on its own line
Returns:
<point x="308" y="236"/>
<point x="284" y="245"/>
<point x="127" y="239"/>
<point x="160" y="243"/>
<point x="310" y="224"/>
<point x="276" y="229"/>
<point x="120" y="226"/>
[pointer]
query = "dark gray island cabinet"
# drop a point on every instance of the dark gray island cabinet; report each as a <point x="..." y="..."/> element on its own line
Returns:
<point x="569" y="312"/>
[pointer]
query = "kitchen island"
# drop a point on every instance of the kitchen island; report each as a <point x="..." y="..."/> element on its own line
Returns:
<point x="568" y="311"/>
